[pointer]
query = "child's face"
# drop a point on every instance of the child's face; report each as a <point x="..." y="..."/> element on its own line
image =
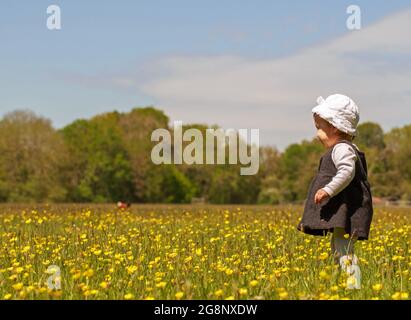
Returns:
<point x="326" y="133"/>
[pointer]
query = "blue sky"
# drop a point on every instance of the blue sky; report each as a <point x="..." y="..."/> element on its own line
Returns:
<point x="116" y="55"/>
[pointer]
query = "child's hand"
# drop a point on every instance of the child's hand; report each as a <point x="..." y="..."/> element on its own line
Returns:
<point x="321" y="196"/>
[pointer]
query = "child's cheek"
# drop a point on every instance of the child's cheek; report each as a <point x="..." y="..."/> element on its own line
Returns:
<point x="323" y="137"/>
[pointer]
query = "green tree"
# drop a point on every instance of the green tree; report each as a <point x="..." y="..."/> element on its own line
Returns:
<point x="298" y="166"/>
<point x="398" y="163"/>
<point x="271" y="185"/>
<point x="98" y="169"/>
<point x="136" y="129"/>
<point x="31" y="157"/>
<point x="166" y="183"/>
<point x="370" y="135"/>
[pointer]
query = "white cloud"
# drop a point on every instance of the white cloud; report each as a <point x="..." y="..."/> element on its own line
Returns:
<point x="372" y="65"/>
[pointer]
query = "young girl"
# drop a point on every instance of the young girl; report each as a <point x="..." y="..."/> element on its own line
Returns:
<point x="339" y="197"/>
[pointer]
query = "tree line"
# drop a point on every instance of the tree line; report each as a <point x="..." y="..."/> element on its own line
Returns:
<point x="107" y="159"/>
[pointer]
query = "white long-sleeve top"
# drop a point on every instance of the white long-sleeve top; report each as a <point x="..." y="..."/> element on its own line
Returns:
<point x="344" y="158"/>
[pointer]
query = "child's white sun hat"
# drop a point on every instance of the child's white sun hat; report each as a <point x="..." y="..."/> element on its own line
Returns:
<point x="339" y="110"/>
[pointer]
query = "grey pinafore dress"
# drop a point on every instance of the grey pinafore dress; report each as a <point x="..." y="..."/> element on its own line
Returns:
<point x="350" y="209"/>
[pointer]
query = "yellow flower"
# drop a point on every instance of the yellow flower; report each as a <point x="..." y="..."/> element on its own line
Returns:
<point x="89" y="273"/>
<point x="253" y="283"/>
<point x="17" y="286"/>
<point x="30" y="288"/>
<point x="128" y="296"/>
<point x="377" y="287"/>
<point x="104" y="285"/>
<point x="229" y="272"/>
<point x="323" y="256"/>
<point x="230" y="298"/>
<point x="179" y="295"/>
<point x="25" y="249"/>
<point x="324" y="296"/>
<point x="131" y="269"/>
<point x="161" y="284"/>
<point x="42" y="290"/>
<point x="283" y="295"/>
<point x="76" y="276"/>
<point x="396" y="296"/>
<point x="243" y="291"/>
<point x="218" y="293"/>
<point x="199" y="252"/>
<point x="19" y="270"/>
<point x="7" y="296"/>
<point x="324" y="275"/>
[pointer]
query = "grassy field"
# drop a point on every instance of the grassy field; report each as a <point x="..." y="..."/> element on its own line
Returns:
<point x="191" y="252"/>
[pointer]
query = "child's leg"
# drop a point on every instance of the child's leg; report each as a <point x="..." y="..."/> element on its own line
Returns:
<point x="343" y="250"/>
<point x="341" y="246"/>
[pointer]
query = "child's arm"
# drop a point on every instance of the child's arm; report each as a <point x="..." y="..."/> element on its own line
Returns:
<point x="344" y="158"/>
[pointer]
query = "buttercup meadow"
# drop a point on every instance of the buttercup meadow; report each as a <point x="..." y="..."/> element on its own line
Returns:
<point x="191" y="252"/>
